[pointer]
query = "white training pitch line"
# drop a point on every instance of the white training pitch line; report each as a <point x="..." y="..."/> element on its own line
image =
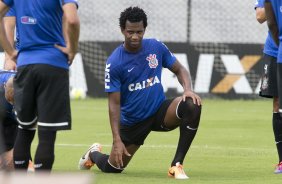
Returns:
<point x="174" y="147"/>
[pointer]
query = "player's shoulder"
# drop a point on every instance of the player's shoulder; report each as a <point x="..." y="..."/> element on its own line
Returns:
<point x="71" y="1"/>
<point x="11" y="12"/>
<point x="152" y="41"/>
<point x="116" y="55"/>
<point x="259" y="4"/>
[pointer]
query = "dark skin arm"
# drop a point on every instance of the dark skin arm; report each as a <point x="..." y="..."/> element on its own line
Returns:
<point x="260" y="15"/>
<point x="10" y="24"/>
<point x="114" y="112"/>
<point x="184" y="79"/>
<point x="271" y="22"/>
<point x="71" y="30"/>
<point x="11" y="53"/>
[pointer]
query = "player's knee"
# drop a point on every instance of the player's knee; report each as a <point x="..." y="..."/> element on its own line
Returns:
<point x="187" y="109"/>
<point x="27" y="124"/>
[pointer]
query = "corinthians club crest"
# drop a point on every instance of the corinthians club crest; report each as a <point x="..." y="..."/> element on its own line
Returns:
<point x="153" y="61"/>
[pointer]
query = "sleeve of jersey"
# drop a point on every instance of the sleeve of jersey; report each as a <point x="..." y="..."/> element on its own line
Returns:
<point x="168" y="58"/>
<point x="112" y="78"/>
<point x="259" y="4"/>
<point x="71" y="1"/>
<point x="9" y="3"/>
<point x="11" y="13"/>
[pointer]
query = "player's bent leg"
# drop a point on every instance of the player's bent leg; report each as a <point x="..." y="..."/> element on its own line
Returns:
<point x="85" y="162"/>
<point x="177" y="172"/>
<point x="45" y="156"/>
<point x="171" y="121"/>
<point x="189" y="115"/>
<point x="132" y="148"/>
<point x="104" y="162"/>
<point x="94" y="156"/>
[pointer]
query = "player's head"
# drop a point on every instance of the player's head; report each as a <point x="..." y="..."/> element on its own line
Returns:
<point x="9" y="90"/>
<point x="133" y="23"/>
<point x="133" y="15"/>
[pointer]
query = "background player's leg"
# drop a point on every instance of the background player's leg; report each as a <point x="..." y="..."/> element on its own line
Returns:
<point x="22" y="148"/>
<point x="277" y="127"/>
<point x="189" y="115"/>
<point x="277" y="121"/>
<point x="45" y="156"/>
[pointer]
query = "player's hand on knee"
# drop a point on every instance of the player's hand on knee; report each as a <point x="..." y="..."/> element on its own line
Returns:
<point x="190" y="94"/>
<point x="119" y="150"/>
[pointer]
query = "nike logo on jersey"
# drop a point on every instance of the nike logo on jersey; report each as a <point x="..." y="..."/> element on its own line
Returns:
<point x="130" y="69"/>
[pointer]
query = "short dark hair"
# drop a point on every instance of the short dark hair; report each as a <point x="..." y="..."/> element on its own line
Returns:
<point x="132" y="14"/>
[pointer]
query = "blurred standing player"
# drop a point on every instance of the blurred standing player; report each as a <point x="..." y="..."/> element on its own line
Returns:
<point x="42" y="82"/>
<point x="269" y="87"/>
<point x="137" y="103"/>
<point x="8" y="121"/>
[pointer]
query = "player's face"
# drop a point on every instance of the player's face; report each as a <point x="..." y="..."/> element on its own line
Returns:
<point x="133" y="35"/>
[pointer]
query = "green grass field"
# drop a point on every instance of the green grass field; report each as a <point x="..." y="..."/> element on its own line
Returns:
<point x="234" y="144"/>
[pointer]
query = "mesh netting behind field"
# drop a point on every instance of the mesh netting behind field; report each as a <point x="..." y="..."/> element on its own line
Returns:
<point x="207" y="25"/>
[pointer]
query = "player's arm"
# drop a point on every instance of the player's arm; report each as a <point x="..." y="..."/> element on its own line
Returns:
<point x="114" y="113"/>
<point x="184" y="79"/>
<point x="6" y="45"/>
<point x="260" y="15"/>
<point x="9" y="24"/>
<point x="71" y="29"/>
<point x="271" y="22"/>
